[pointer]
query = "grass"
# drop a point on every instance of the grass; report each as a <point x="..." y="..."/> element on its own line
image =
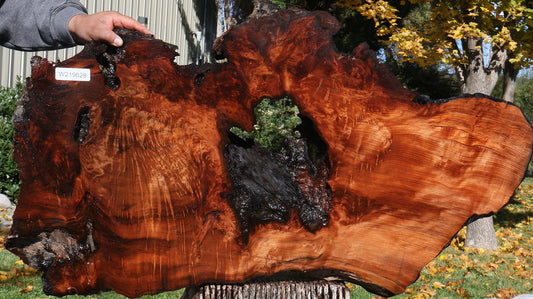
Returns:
<point x="458" y="272"/>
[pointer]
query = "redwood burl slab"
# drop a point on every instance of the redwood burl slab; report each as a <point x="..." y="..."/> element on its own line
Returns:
<point x="132" y="181"/>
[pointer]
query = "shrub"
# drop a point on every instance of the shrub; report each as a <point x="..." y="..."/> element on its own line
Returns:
<point x="275" y="120"/>
<point x="9" y="176"/>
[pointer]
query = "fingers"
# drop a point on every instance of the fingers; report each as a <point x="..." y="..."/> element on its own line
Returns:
<point x="122" y="21"/>
<point x="111" y="38"/>
<point x="99" y="27"/>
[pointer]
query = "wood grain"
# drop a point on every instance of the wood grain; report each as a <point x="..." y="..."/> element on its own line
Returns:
<point x="125" y="185"/>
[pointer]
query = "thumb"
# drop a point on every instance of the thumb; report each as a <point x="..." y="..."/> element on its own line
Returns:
<point x="115" y="40"/>
<point x="111" y="38"/>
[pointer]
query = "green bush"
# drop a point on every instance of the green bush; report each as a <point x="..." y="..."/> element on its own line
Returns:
<point x="275" y="120"/>
<point x="9" y="176"/>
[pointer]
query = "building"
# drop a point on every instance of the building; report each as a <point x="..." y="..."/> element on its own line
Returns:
<point x="188" y="25"/>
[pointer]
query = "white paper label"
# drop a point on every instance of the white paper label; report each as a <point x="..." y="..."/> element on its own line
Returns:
<point x="73" y="74"/>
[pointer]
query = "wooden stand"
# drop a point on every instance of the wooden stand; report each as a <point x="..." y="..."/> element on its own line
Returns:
<point x="318" y="289"/>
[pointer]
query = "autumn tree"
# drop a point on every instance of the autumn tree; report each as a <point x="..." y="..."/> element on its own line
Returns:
<point x="479" y="39"/>
<point x="443" y="83"/>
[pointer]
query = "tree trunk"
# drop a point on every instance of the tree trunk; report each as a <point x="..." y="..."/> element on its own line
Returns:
<point x="481" y="79"/>
<point x="480" y="234"/>
<point x="510" y="73"/>
<point x="132" y="181"/>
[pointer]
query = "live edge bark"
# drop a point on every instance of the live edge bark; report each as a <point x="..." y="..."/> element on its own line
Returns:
<point x="126" y="180"/>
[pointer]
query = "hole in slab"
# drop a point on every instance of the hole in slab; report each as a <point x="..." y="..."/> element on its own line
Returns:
<point x="83" y="122"/>
<point x="280" y="166"/>
<point x="107" y="61"/>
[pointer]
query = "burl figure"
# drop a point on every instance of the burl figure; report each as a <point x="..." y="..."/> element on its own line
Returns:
<point x="133" y="182"/>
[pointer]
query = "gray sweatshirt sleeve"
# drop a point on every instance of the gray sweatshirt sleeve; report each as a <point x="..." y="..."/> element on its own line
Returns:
<point x="37" y="24"/>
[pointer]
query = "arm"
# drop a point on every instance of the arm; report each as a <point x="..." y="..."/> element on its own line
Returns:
<point x="37" y="25"/>
<point x="49" y="24"/>
<point x="99" y="27"/>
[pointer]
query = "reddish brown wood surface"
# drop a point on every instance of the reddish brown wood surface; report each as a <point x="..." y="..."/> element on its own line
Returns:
<point x="125" y="182"/>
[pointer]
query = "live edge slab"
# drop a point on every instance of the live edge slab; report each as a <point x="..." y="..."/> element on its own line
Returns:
<point x="132" y="181"/>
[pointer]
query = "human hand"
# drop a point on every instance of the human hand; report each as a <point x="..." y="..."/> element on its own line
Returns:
<point x="99" y="27"/>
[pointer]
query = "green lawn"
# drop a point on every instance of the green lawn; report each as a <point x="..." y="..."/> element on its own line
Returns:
<point x="456" y="272"/>
<point x="460" y="272"/>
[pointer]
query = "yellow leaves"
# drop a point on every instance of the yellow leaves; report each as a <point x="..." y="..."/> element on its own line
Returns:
<point x="438" y="285"/>
<point x="459" y="241"/>
<point x="522" y="270"/>
<point x="504" y="25"/>
<point x="379" y="9"/>
<point x="473" y="11"/>
<point x="4" y="276"/>
<point x="14" y="275"/>
<point x="432" y="270"/>
<point x="27" y="289"/>
<point x="408" y="43"/>
<point x="456" y="283"/>
<point x="510" y="243"/>
<point x="504" y="293"/>
<point x="464" y="258"/>
<point x="446" y="257"/>
<point x="382" y="13"/>
<point x="450" y="270"/>
<point x="478" y="250"/>
<point x="18" y="269"/>
<point x="492" y="266"/>
<point x="425" y="291"/>
<point x="466" y="30"/>
<point x="460" y="272"/>
<point x="504" y="39"/>
<point x="462" y="292"/>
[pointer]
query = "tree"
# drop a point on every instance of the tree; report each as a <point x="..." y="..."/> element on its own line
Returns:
<point x="443" y="83"/>
<point x="479" y="39"/>
<point x="523" y="97"/>
<point x="476" y="38"/>
<point x="232" y="12"/>
<point x="357" y="28"/>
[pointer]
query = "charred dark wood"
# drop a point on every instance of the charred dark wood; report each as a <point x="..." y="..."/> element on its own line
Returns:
<point x="267" y="185"/>
<point x="131" y="181"/>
